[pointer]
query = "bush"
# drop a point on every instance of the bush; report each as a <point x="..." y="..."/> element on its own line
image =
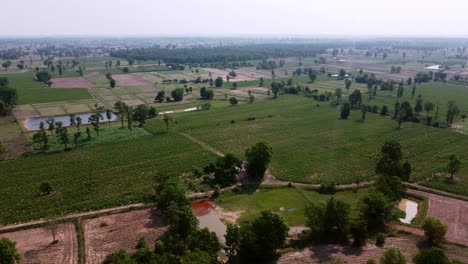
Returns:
<point x="434" y="230"/>
<point x="431" y="256"/>
<point x="8" y="252"/>
<point x="45" y="188"/>
<point x="233" y="121"/>
<point x="392" y="256"/>
<point x="251" y="119"/>
<point x="380" y="240"/>
<point x="328" y="188"/>
<point x="233" y="101"/>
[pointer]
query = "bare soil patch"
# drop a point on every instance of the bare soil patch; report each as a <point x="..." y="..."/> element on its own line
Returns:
<point x="451" y="211"/>
<point x="35" y="245"/>
<point x="107" y="234"/>
<point x="408" y="245"/>
<point x="73" y="82"/>
<point x="131" y="80"/>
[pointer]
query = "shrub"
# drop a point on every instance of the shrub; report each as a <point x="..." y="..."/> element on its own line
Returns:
<point x="45" y="188"/>
<point x="233" y="101"/>
<point x="434" y="230"/>
<point x="380" y="240"/>
<point x="392" y="256"/>
<point x="251" y="118"/>
<point x="431" y="256"/>
<point x="328" y="188"/>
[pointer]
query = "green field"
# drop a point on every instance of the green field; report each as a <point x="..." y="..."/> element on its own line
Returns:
<point x="287" y="202"/>
<point x="31" y="91"/>
<point x="94" y="177"/>
<point x="312" y="145"/>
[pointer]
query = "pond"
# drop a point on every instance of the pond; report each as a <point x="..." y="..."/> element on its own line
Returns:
<point x="32" y="124"/>
<point x="209" y="217"/>
<point x="410" y="208"/>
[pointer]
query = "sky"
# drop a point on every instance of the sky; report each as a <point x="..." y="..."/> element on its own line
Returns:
<point x="417" y="18"/>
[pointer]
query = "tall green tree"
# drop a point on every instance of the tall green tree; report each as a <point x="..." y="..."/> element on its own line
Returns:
<point x="452" y="112"/>
<point x="345" y="110"/>
<point x="419" y="105"/>
<point x="376" y="210"/>
<point x="258" y="157"/>
<point x="453" y="166"/>
<point x="434" y="231"/>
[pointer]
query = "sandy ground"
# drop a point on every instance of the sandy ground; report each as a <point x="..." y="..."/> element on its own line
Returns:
<point x="107" y="234"/>
<point x="451" y="211"/>
<point x="408" y="245"/>
<point x="130" y="80"/>
<point x="73" y="82"/>
<point x="35" y="245"/>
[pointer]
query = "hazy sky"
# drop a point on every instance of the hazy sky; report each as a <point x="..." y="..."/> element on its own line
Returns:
<point x="235" y="17"/>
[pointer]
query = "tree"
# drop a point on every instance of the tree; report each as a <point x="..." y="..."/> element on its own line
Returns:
<point x="390" y="162"/>
<point x="95" y="121"/>
<point x="6" y="64"/>
<point x="376" y="210"/>
<point x="392" y="187"/>
<point x="234" y="85"/>
<point x="258" y="157"/>
<point x="348" y="83"/>
<point x="204" y="240"/>
<point x="363" y="112"/>
<point x="225" y="170"/>
<point x="452" y="112"/>
<point x="453" y="166"/>
<point x="141" y="114"/>
<point x="419" y="105"/>
<point x="129" y="112"/>
<point x="167" y="119"/>
<point x="219" y="82"/>
<point x="434" y="231"/>
<point x="112" y="83"/>
<point x="76" y="137"/>
<point x="257" y="241"/>
<point x="196" y="257"/>
<point x="312" y="77"/>
<point x="121" y="108"/>
<point x="355" y="98"/>
<point x="233" y="240"/>
<point x="359" y="232"/>
<point x="8" y="252"/>
<point x="384" y="111"/>
<point x="431" y="256"/>
<point x="45" y="188"/>
<point x="428" y="107"/>
<point x="345" y="110"/>
<point x="178" y="94"/>
<point x="108" y="116"/>
<point x="63" y="137"/>
<point x="233" y="101"/>
<point x="131" y="62"/>
<point x="160" y="96"/>
<point x="251" y="99"/>
<point x="206" y="94"/>
<point x="392" y="256"/>
<point x="78" y="122"/>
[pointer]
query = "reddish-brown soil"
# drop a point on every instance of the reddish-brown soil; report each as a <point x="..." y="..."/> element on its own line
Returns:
<point x="35" y="245"/>
<point x="73" y="82"/>
<point x="451" y="211"/>
<point x="130" y="80"/>
<point x="408" y="245"/>
<point x="107" y="234"/>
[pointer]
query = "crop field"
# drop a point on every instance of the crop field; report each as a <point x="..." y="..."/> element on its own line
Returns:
<point x="94" y="177"/>
<point x="107" y="234"/>
<point x="287" y="202"/>
<point x="73" y="82"/>
<point x="130" y="80"/>
<point x="312" y="145"/>
<point x="35" y="245"/>
<point x="31" y="91"/>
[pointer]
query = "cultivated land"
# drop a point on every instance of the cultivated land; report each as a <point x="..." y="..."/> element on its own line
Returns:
<point x="72" y="82"/>
<point x="312" y="145"/>
<point x="451" y="211"/>
<point x="113" y="232"/>
<point x="36" y="245"/>
<point x="94" y="177"/>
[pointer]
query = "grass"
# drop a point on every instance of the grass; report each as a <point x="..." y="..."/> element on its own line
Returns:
<point x="288" y="202"/>
<point x="94" y="177"/>
<point x="31" y="91"/>
<point x="312" y="145"/>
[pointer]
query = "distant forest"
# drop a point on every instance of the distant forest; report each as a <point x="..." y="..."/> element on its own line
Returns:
<point x="201" y="55"/>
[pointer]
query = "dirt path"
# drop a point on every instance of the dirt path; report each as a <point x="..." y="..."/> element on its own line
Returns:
<point x="203" y="144"/>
